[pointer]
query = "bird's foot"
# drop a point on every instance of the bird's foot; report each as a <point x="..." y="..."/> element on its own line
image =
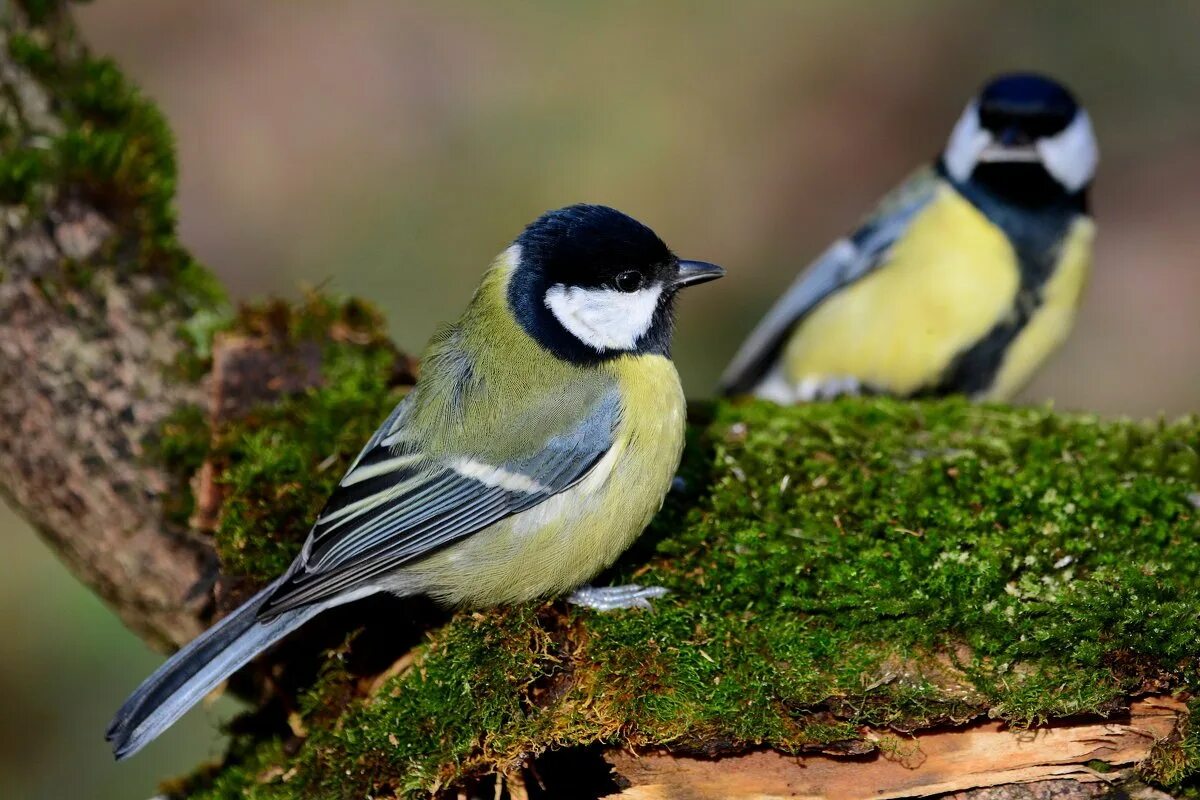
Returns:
<point x="610" y="598"/>
<point x="828" y="388"/>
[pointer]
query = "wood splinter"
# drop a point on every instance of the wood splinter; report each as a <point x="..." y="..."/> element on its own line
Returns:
<point x="952" y="760"/>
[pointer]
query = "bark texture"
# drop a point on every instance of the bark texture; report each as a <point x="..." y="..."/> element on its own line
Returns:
<point x="82" y="385"/>
<point x="84" y="382"/>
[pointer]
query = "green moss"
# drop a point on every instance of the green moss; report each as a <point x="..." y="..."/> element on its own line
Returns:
<point x="21" y="173"/>
<point x="114" y="149"/>
<point x="279" y="463"/>
<point x="867" y="562"/>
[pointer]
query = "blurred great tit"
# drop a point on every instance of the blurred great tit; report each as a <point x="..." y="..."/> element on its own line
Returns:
<point x="541" y="438"/>
<point x="962" y="281"/>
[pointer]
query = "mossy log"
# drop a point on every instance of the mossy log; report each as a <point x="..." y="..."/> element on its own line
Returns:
<point x="868" y="598"/>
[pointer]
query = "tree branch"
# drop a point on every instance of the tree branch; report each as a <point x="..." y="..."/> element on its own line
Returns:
<point x="88" y="341"/>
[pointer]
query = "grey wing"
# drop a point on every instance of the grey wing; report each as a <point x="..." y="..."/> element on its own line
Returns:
<point x="847" y="260"/>
<point x="397" y="504"/>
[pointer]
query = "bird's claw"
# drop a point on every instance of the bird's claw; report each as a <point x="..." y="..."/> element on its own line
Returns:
<point x="829" y="388"/>
<point x="610" y="598"/>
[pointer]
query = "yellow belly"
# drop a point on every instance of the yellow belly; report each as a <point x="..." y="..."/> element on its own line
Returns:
<point x="946" y="283"/>
<point x="566" y="540"/>
<point x="1052" y="321"/>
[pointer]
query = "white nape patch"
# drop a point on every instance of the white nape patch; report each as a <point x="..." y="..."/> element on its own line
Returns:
<point x="491" y="475"/>
<point x="1071" y="155"/>
<point x="967" y="142"/>
<point x="510" y="257"/>
<point x="604" y="319"/>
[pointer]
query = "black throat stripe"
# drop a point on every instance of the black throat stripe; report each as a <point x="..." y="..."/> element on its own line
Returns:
<point x="1037" y="234"/>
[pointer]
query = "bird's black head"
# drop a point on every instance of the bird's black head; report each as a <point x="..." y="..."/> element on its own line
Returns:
<point x="1020" y="108"/>
<point x="591" y="283"/>
<point x="1025" y="137"/>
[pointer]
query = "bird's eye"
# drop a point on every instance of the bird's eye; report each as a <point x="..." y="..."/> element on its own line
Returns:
<point x="629" y="281"/>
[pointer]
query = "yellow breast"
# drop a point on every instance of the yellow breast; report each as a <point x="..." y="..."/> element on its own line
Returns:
<point x="945" y="284"/>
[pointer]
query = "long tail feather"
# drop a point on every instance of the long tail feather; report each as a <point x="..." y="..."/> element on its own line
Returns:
<point x="196" y="670"/>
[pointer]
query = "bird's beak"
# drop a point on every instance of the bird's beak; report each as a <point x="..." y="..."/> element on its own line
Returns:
<point x="692" y="272"/>
<point x="1000" y="154"/>
<point x="1011" y="145"/>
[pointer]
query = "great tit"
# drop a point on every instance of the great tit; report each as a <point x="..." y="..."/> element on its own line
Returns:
<point x="962" y="281"/>
<point x="542" y="436"/>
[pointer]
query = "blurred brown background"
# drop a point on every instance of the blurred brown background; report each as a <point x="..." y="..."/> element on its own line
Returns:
<point x="390" y="149"/>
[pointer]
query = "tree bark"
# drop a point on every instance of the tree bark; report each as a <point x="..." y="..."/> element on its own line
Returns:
<point x="981" y="760"/>
<point x="85" y="381"/>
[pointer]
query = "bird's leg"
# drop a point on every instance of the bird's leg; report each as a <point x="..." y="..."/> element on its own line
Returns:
<point x="845" y="386"/>
<point x="831" y="387"/>
<point x="610" y="598"/>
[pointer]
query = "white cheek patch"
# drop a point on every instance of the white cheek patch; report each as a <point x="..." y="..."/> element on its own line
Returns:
<point x="967" y="142"/>
<point x="1071" y="155"/>
<point x="604" y="319"/>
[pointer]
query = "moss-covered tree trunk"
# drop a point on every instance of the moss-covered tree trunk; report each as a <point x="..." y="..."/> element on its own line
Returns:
<point x="93" y="295"/>
<point x="868" y="599"/>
